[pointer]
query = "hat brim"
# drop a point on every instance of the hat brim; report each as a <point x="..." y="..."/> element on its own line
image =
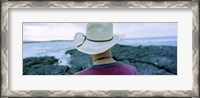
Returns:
<point x="91" y="47"/>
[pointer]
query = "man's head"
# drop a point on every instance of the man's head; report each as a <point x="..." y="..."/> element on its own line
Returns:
<point x="99" y="37"/>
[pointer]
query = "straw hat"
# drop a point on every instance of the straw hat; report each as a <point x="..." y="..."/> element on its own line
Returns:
<point x="99" y="37"/>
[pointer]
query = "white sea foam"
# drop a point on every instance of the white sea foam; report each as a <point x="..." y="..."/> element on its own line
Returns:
<point x="56" y="49"/>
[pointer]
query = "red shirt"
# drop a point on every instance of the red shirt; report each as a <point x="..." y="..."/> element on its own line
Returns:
<point x="116" y="68"/>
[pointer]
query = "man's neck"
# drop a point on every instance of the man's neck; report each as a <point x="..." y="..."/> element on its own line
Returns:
<point x="107" y="58"/>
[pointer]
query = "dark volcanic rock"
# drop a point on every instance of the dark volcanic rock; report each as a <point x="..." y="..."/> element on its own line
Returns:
<point x="46" y="60"/>
<point x="43" y="66"/>
<point x="149" y="60"/>
<point x="79" y="61"/>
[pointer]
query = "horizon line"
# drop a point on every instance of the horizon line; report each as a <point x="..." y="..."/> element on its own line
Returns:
<point x="72" y="39"/>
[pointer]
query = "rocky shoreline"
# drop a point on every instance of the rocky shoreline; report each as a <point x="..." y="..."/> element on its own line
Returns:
<point x="149" y="60"/>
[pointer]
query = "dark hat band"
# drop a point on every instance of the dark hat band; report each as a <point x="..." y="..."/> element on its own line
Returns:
<point x="85" y="38"/>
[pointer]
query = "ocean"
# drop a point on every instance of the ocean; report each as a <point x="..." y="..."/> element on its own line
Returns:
<point x="156" y="41"/>
<point x="58" y="48"/>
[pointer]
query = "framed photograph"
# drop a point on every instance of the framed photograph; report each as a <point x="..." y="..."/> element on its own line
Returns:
<point x="150" y="52"/>
<point x="100" y="48"/>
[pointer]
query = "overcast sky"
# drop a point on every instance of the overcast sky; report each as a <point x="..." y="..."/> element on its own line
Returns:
<point x="66" y="31"/>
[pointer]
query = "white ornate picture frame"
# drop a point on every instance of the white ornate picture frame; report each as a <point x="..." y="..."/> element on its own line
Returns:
<point x="6" y="5"/>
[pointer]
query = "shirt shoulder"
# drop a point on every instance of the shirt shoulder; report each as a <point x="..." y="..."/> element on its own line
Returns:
<point x="129" y="69"/>
<point x="117" y="68"/>
<point x="83" y="72"/>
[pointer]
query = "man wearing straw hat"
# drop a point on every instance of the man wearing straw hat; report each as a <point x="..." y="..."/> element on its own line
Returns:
<point x="97" y="41"/>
